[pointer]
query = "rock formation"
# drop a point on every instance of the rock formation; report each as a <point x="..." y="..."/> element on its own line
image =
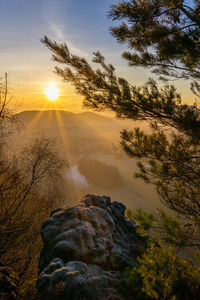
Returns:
<point x="86" y="249"/>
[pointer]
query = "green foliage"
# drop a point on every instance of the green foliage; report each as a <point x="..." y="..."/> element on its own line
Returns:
<point x="165" y="229"/>
<point x="134" y="283"/>
<point x="145" y="219"/>
<point x="161" y="273"/>
<point x="166" y="276"/>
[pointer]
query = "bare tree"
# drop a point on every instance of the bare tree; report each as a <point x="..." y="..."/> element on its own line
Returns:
<point x="30" y="187"/>
<point x="20" y="183"/>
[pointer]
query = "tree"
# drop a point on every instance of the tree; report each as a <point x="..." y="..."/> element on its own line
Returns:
<point x="5" y="99"/>
<point x="163" y="35"/>
<point x="6" y="115"/>
<point x="30" y="188"/>
<point x="21" y="179"/>
<point x="174" y="159"/>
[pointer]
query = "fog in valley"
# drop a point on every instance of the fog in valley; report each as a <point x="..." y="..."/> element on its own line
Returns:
<point x="95" y="163"/>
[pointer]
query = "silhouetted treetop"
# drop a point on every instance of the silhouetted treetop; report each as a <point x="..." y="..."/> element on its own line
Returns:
<point x="163" y="34"/>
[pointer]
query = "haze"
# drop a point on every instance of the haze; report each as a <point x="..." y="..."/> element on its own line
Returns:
<point x="89" y="143"/>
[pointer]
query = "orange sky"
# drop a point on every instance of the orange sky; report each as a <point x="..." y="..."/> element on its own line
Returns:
<point x="83" y="25"/>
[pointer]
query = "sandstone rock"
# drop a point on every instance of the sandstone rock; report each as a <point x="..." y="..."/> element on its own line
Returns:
<point x="86" y="249"/>
<point x="77" y="280"/>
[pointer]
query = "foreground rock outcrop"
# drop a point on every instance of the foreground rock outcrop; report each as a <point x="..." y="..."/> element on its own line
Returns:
<point x="86" y="249"/>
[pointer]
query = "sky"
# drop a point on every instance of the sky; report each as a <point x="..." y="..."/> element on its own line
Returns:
<point x="82" y="24"/>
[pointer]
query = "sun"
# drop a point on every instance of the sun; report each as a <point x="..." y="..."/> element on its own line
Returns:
<point x="52" y="92"/>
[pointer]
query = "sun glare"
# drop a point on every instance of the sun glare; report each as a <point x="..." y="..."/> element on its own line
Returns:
<point x="52" y="92"/>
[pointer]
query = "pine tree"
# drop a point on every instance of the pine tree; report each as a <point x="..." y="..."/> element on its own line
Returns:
<point x="164" y="36"/>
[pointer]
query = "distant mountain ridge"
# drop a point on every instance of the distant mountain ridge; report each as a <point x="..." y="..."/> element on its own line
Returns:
<point x="29" y="114"/>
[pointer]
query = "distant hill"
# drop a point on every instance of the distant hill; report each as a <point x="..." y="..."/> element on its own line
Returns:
<point x="49" y="116"/>
<point x="52" y="115"/>
<point x="84" y="133"/>
<point x="90" y="143"/>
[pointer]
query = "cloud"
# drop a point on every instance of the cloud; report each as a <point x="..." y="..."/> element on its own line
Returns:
<point x="60" y="36"/>
<point x="57" y="30"/>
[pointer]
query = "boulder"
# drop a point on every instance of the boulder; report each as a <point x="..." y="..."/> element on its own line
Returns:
<point x="86" y="249"/>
